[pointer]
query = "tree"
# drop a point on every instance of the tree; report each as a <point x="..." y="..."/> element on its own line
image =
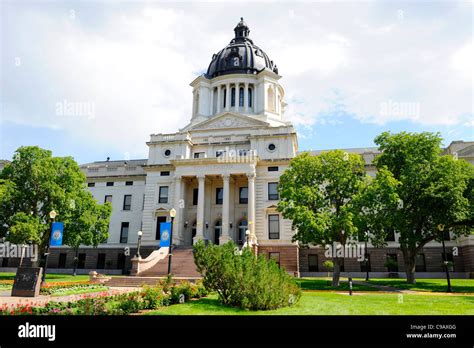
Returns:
<point x="431" y="189"/>
<point x="316" y="194"/>
<point x="35" y="183"/>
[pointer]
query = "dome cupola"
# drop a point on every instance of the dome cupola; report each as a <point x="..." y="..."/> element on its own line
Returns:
<point x="240" y="56"/>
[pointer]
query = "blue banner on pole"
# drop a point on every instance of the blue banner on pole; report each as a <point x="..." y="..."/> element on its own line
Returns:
<point x="57" y="231"/>
<point x="165" y="231"/>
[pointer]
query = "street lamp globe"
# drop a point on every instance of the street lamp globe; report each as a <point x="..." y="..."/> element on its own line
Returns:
<point x="247" y="233"/>
<point x="172" y="212"/>
<point x="52" y="214"/>
<point x="140" y="233"/>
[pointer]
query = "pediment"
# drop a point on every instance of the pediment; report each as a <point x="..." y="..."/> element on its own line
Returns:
<point x="229" y="120"/>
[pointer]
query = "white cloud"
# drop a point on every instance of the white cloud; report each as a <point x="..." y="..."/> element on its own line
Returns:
<point x="136" y="64"/>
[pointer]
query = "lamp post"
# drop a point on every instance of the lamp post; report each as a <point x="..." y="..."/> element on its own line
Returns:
<point x="172" y="216"/>
<point x="366" y="259"/>
<point x="52" y="216"/>
<point x="139" y="244"/>
<point x="441" y="229"/>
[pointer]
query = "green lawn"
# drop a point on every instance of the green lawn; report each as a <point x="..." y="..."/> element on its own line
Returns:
<point x="329" y="303"/>
<point x="431" y="285"/>
<point x="49" y="277"/>
<point x="325" y="284"/>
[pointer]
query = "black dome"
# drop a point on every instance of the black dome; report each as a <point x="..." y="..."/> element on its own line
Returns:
<point x="240" y="56"/>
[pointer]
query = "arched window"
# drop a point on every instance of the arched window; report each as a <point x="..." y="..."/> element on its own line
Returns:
<point x="241" y="96"/>
<point x="232" y="96"/>
<point x="225" y="98"/>
<point x="243" y="224"/>
<point x="217" y="231"/>
<point x="250" y="97"/>
<point x="271" y="99"/>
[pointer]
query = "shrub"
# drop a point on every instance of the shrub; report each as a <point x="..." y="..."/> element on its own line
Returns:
<point x="244" y="280"/>
<point x="130" y="303"/>
<point x="153" y="297"/>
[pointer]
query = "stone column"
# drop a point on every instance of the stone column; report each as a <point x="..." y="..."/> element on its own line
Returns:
<point x="219" y="99"/>
<point x="246" y="97"/>
<point x="227" y="97"/>
<point x="211" y="108"/>
<point x="251" y="203"/>
<point x="178" y="206"/>
<point x="237" y="97"/>
<point x="200" y="209"/>
<point x="254" y="95"/>
<point x="225" y="237"/>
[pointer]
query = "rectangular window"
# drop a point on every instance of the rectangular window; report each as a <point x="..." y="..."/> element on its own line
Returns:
<point x="101" y="261"/>
<point x="273" y="191"/>
<point x="199" y="155"/>
<point x="275" y="256"/>
<point x="91" y="184"/>
<point x="128" y="183"/>
<point x="220" y="153"/>
<point x="195" y="196"/>
<point x="62" y="260"/>
<point x="163" y="194"/>
<point x="392" y="263"/>
<point x="121" y="261"/>
<point x="127" y="202"/>
<point x="273" y="169"/>
<point x="108" y="199"/>
<point x="420" y="265"/>
<point x="232" y="97"/>
<point x="274" y="226"/>
<point x="219" y="195"/>
<point x="124" y="232"/>
<point x="110" y="183"/>
<point x="243" y="195"/>
<point x="165" y="173"/>
<point x="81" y="261"/>
<point x="312" y="263"/>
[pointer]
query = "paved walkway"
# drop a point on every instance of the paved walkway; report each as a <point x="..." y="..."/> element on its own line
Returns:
<point x="6" y="298"/>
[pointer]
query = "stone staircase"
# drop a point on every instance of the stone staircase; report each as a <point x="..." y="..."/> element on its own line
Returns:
<point x="182" y="268"/>
<point x="182" y="265"/>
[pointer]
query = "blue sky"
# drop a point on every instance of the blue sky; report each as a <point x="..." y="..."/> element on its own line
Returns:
<point x="350" y="70"/>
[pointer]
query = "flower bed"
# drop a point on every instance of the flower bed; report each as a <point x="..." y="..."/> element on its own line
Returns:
<point x="162" y="294"/>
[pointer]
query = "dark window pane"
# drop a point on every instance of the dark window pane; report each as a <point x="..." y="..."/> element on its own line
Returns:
<point x="124" y="232"/>
<point x="101" y="261"/>
<point x="219" y="195"/>
<point x="108" y="199"/>
<point x="392" y="263"/>
<point x="312" y="263"/>
<point x="273" y="191"/>
<point x="274" y="226"/>
<point x="241" y="97"/>
<point x="91" y="184"/>
<point x="127" y="202"/>
<point x="110" y="183"/>
<point x="244" y="195"/>
<point x="195" y="196"/>
<point x="165" y="173"/>
<point x="163" y="195"/>
<point x="390" y="235"/>
<point x="250" y="97"/>
<point x="273" y="169"/>
<point x="420" y="265"/>
<point x="81" y="261"/>
<point x="62" y="260"/>
<point x="232" y="97"/>
<point x="128" y="183"/>
<point x="365" y="265"/>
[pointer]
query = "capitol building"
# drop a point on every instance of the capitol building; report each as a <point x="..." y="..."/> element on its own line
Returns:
<point x="220" y="172"/>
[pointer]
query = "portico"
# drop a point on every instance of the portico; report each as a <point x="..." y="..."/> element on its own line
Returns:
<point x="217" y="207"/>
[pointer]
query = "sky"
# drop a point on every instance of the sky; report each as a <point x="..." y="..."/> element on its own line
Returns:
<point x="93" y="79"/>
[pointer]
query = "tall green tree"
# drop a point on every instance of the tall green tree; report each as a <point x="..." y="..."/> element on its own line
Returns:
<point x="317" y="194"/>
<point x="431" y="189"/>
<point x="35" y="183"/>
